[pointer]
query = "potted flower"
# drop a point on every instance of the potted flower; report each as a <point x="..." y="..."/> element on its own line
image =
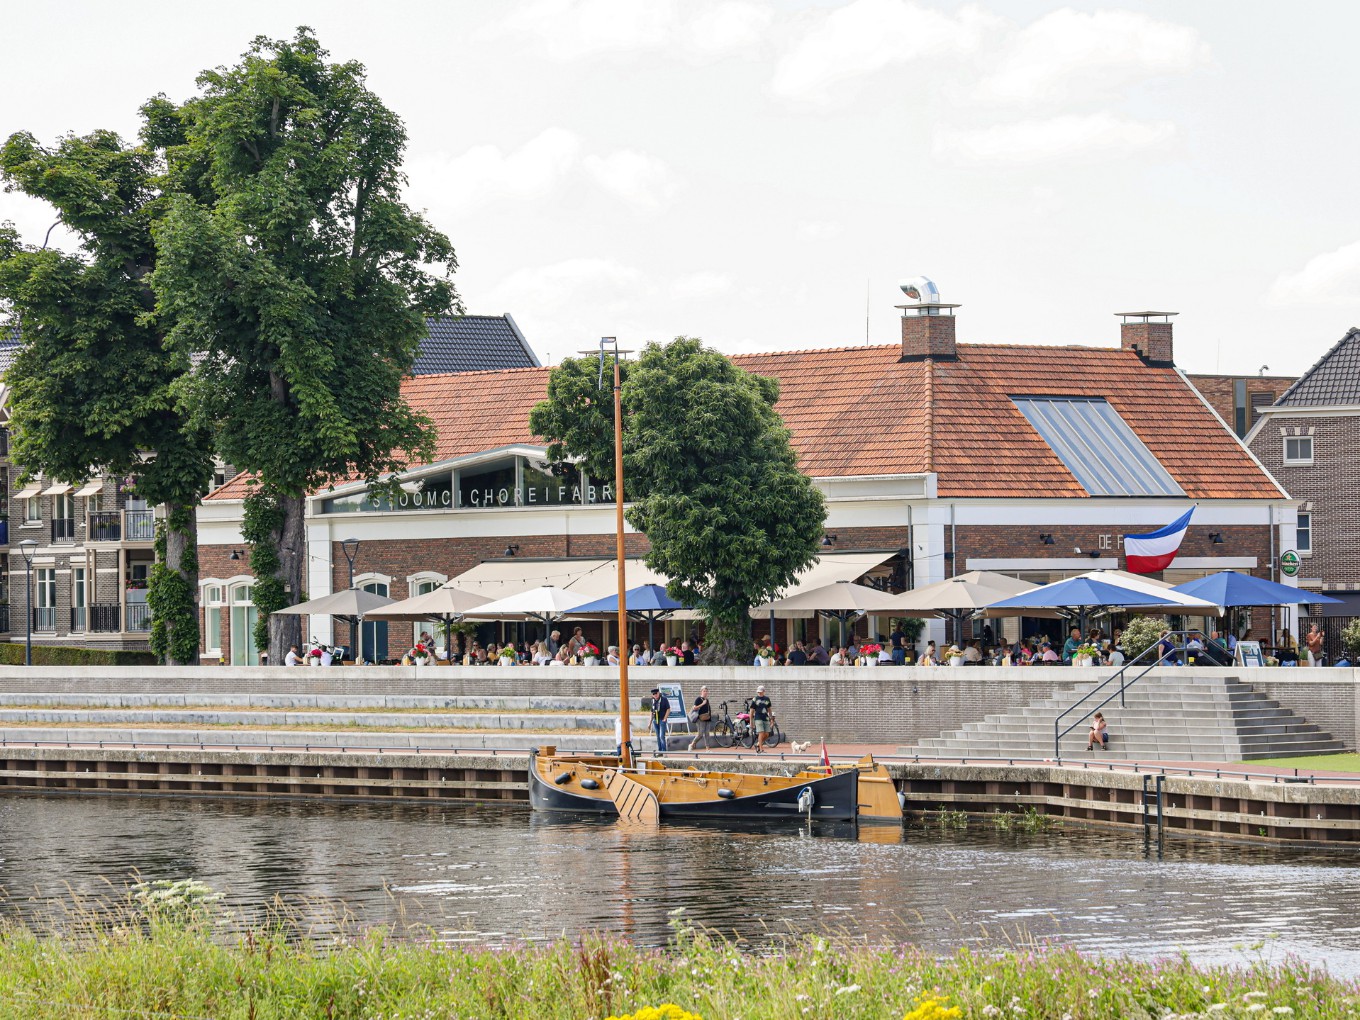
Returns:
<point x="420" y="654"/>
<point x="1085" y="655"/>
<point x="590" y="655"/>
<point x="508" y="656"/>
<point x="870" y="653"/>
<point x="766" y="656"/>
<point x="955" y="655"/>
<point x="673" y="656"/>
<point x="314" y="657"/>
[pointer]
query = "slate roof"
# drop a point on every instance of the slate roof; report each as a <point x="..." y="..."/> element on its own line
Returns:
<point x="472" y="343"/>
<point x="1333" y="380"/>
<point x="857" y="411"/>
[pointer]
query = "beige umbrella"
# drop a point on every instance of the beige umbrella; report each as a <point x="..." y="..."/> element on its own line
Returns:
<point x="349" y="605"/>
<point x="444" y="605"/>
<point x="957" y="597"/>
<point x="840" y="599"/>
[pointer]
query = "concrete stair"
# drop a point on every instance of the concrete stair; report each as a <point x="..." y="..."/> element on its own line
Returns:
<point x="1171" y="716"/>
<point x="306" y="720"/>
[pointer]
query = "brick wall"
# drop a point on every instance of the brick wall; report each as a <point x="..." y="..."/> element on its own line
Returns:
<point x="1329" y="487"/>
<point x="1220" y="392"/>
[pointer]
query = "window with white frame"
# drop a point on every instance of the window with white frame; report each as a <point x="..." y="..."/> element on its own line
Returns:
<point x="33" y="509"/>
<point x="212" y="619"/>
<point x="79" y="602"/>
<point x="1303" y="535"/>
<point x="1298" y="449"/>
<point x="45" y="599"/>
<point x="423" y="586"/>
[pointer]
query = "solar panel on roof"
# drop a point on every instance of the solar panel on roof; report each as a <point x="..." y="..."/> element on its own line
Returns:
<point x="1097" y="446"/>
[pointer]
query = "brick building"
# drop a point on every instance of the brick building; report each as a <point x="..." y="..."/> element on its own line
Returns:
<point x="1239" y="399"/>
<point x="1310" y="440"/>
<point x="91" y="540"/>
<point x="935" y="457"/>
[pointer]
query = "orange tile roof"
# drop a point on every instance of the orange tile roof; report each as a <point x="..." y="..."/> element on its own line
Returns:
<point x="862" y="411"/>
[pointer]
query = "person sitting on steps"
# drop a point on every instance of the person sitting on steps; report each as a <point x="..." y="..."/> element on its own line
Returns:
<point x="1100" y="733"/>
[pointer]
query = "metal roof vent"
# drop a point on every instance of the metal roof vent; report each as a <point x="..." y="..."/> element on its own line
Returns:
<point x="923" y="291"/>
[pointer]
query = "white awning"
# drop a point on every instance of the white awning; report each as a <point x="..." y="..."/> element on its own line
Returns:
<point x="595" y="578"/>
<point x="91" y="488"/>
<point x="29" y="491"/>
<point x="58" y="489"/>
<point x="832" y="567"/>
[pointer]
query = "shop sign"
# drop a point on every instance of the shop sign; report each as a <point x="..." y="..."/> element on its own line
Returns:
<point x="1289" y="563"/>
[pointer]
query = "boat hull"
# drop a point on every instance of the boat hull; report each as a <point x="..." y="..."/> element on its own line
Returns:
<point x="690" y="794"/>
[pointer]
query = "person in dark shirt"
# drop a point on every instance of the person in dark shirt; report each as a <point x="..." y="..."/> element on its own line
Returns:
<point x="762" y="714"/>
<point x="798" y="657"/>
<point x="661" y="711"/>
<point x="687" y="654"/>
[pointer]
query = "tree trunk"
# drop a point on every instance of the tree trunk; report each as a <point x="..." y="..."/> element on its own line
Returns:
<point x="727" y="641"/>
<point x="181" y="557"/>
<point x="291" y="543"/>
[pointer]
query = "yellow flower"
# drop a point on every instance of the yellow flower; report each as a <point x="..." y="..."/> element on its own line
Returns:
<point x="933" y="1008"/>
<point x="666" y="1011"/>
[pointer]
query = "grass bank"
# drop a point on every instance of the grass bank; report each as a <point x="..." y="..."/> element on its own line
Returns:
<point x="1321" y="762"/>
<point x="163" y="959"/>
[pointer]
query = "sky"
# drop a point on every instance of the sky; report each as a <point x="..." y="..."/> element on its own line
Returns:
<point x="762" y="174"/>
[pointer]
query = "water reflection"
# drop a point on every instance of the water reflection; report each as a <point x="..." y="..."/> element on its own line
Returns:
<point x="481" y="875"/>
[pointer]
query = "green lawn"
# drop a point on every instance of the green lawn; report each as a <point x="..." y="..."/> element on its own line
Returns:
<point x="1321" y="762"/>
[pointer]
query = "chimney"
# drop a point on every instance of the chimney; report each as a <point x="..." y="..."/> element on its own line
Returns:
<point x="1148" y="333"/>
<point x="927" y="325"/>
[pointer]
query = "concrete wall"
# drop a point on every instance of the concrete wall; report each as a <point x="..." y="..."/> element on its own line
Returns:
<point x="887" y="705"/>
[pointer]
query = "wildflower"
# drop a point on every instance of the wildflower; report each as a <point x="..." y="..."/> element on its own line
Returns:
<point x="990" y="1010"/>
<point x="1255" y="1007"/>
<point x="1283" y="1011"/>
<point x="1253" y="995"/>
<point x="847" y="990"/>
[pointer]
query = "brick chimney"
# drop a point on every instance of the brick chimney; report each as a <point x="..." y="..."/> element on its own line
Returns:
<point x="1148" y="333"/>
<point x="928" y="325"/>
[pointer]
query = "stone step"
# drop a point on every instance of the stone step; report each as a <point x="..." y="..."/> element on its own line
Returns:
<point x="339" y="701"/>
<point x="261" y="739"/>
<point x="546" y="721"/>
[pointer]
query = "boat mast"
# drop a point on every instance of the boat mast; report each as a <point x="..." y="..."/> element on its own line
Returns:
<point x="625" y="734"/>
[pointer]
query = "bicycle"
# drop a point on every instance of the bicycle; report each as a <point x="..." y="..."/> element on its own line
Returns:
<point x="729" y="732"/>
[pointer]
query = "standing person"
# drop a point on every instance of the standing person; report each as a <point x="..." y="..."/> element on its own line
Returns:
<point x="661" y="711"/>
<point x="1313" y="642"/>
<point x="898" y="642"/>
<point x="702" y="715"/>
<point x="762" y="714"/>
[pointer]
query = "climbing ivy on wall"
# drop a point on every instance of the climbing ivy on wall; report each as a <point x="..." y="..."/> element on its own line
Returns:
<point x="263" y="521"/>
<point x="170" y="593"/>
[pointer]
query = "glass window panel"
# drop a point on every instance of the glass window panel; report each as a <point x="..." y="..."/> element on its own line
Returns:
<point x="1097" y="446"/>
<point x="1303" y="536"/>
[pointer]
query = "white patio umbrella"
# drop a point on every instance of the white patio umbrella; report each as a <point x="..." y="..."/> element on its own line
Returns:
<point x="444" y="605"/>
<point x="349" y="605"/>
<point x="839" y="600"/>
<point x="958" y="597"/>
<point x="546" y="604"/>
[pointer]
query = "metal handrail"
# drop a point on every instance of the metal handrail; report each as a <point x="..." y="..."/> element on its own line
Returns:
<point x="1123" y="686"/>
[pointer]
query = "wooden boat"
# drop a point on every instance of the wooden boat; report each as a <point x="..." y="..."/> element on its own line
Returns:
<point x="656" y="791"/>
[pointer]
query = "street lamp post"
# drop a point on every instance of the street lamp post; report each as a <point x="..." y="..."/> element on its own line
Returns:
<point x="27" y="547"/>
<point x="351" y="548"/>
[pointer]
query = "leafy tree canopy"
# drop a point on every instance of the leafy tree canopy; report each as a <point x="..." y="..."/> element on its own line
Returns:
<point x="300" y="279"/>
<point x="713" y="480"/>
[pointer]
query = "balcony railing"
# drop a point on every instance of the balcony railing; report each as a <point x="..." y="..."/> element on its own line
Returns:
<point x="45" y="618"/>
<point x="80" y="618"/>
<point x="120" y="525"/>
<point x="104" y="618"/>
<point x="138" y="617"/>
<point x="63" y="529"/>
<point x="139" y="525"/>
<point x="106" y="526"/>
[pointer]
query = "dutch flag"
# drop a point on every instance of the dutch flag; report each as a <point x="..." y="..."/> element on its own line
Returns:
<point x="1146" y="554"/>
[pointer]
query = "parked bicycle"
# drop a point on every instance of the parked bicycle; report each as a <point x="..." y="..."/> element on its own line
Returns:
<point x="729" y="730"/>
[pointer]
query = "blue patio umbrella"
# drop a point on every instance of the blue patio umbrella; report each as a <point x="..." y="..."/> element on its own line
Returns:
<point x="1083" y="594"/>
<point x="1229" y="588"/>
<point x="646" y="602"/>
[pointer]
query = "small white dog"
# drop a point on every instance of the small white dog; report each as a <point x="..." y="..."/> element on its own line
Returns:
<point x="800" y="746"/>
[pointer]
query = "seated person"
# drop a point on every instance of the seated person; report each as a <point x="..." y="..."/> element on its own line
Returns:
<point x="1049" y="656"/>
<point x="1100" y="733"/>
<point x="972" y="655"/>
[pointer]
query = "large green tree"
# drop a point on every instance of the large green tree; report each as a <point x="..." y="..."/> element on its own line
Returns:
<point x="299" y="280"/>
<point x="92" y="387"/>
<point x="709" y="470"/>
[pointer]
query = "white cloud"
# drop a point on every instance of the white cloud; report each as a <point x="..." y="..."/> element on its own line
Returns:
<point x="819" y="230"/>
<point x="485" y="174"/>
<point x="729" y="27"/>
<point x="642" y="181"/>
<point x="701" y="286"/>
<point x="1086" y="137"/>
<point x="33" y="218"/>
<point x="1069" y="53"/>
<point x="868" y="35"/>
<point x="574" y="29"/>
<point x="1331" y="279"/>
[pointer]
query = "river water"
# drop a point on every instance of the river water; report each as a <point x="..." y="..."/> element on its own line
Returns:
<point x="497" y="875"/>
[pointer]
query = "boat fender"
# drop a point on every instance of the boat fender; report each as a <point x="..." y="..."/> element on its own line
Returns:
<point x="805" y="801"/>
<point x="725" y="793"/>
<point x="589" y="784"/>
<point x="902" y="800"/>
<point x="565" y="777"/>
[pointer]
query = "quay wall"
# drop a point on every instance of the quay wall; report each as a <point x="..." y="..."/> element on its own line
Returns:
<point x="1216" y="807"/>
<point x="887" y="705"/>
